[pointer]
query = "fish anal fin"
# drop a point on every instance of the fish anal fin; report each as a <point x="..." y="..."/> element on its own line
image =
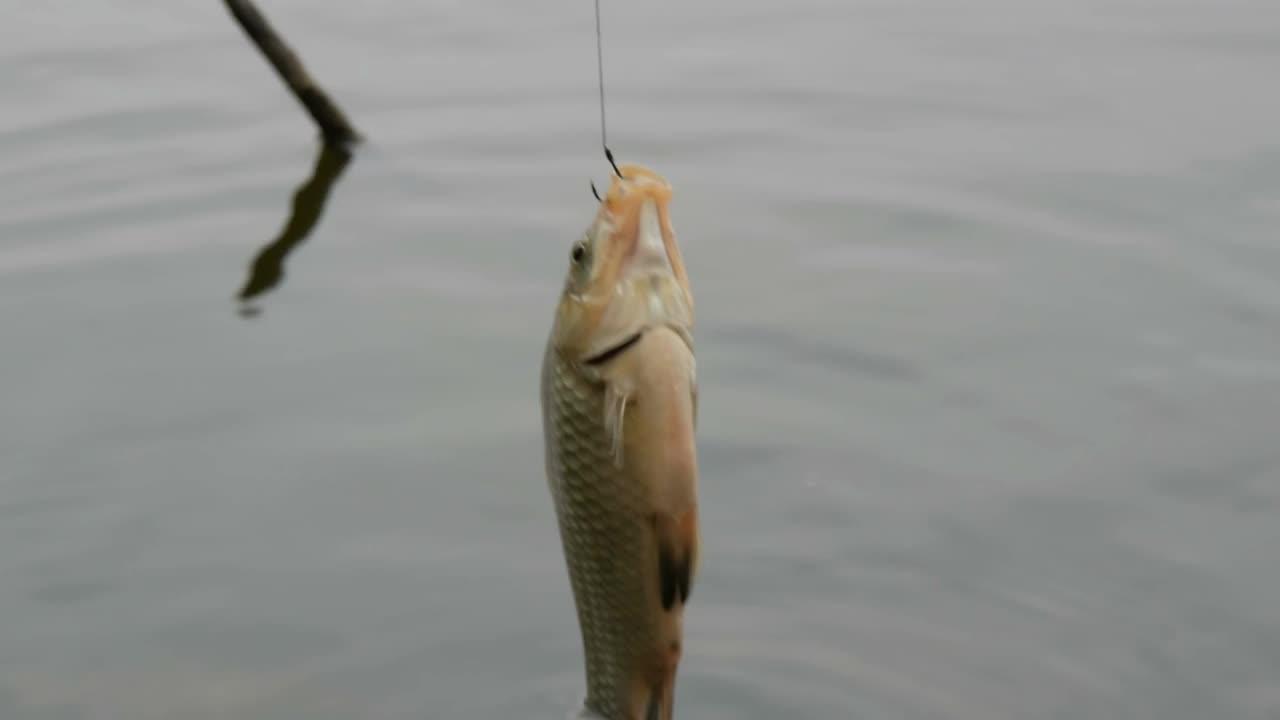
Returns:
<point x="677" y="555"/>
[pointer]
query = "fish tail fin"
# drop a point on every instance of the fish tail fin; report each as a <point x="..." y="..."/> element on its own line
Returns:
<point x="653" y="689"/>
<point x="655" y="708"/>
<point x="662" y="699"/>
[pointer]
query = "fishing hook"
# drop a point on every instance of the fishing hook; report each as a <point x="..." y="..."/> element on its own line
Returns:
<point x="604" y="137"/>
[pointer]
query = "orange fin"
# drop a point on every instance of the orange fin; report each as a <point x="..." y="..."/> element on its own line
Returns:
<point x="659" y="702"/>
<point x="677" y="556"/>
<point x="655" y="707"/>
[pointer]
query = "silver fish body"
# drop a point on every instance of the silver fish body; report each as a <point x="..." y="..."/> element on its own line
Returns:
<point x="618" y="422"/>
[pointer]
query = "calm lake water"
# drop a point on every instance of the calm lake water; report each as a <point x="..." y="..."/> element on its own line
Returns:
<point x="989" y="355"/>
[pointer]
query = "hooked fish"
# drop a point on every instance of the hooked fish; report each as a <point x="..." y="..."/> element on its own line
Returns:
<point x="619" y="407"/>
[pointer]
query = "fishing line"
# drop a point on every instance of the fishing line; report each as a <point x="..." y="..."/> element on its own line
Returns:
<point x="604" y="137"/>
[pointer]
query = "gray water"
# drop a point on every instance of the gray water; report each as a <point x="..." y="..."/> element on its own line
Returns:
<point x="987" y="344"/>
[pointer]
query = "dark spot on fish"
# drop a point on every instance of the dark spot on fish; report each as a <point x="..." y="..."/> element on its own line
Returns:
<point x="674" y="574"/>
<point x="614" y="351"/>
<point x="674" y="579"/>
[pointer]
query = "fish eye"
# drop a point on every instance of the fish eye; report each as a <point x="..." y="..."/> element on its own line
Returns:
<point x="579" y="252"/>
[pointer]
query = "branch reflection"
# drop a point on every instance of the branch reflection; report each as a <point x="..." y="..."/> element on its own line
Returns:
<point x="267" y="270"/>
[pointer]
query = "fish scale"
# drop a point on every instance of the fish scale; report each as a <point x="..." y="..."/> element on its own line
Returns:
<point x="619" y="405"/>
<point x="602" y="531"/>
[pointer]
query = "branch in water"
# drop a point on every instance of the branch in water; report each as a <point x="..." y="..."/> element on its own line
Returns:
<point x="267" y="269"/>
<point x="333" y="123"/>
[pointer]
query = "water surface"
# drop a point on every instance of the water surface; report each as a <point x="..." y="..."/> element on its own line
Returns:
<point x="987" y="352"/>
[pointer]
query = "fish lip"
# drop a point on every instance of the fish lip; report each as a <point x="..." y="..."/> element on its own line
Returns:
<point x="635" y="210"/>
<point x="613" y="352"/>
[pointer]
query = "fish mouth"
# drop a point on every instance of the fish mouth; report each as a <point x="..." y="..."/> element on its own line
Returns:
<point x="642" y="241"/>
<point x="613" y="352"/>
<point x="636" y="280"/>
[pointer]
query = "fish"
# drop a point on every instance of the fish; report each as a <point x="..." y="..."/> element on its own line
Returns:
<point x="618" y="393"/>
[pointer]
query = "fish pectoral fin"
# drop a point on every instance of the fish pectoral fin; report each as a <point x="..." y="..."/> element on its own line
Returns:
<point x="615" y="411"/>
<point x="677" y="555"/>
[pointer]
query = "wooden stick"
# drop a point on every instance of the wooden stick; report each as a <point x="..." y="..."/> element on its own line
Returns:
<point x="333" y="123"/>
